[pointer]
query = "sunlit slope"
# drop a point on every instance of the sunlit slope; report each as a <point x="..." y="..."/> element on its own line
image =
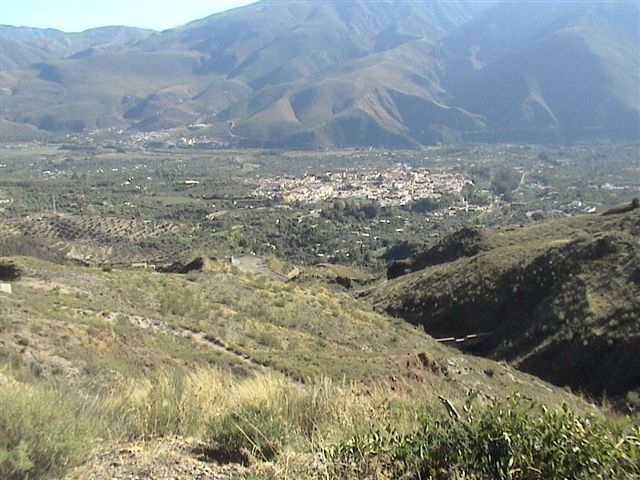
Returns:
<point x="80" y="324"/>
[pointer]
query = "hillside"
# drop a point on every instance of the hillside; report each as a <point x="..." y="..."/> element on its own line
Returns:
<point x="562" y="65"/>
<point x="78" y="324"/>
<point x="558" y="299"/>
<point x="157" y="326"/>
<point x="310" y="75"/>
<point x="192" y="364"/>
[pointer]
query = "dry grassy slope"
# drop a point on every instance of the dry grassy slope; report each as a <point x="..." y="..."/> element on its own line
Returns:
<point x="81" y="324"/>
<point x="561" y="298"/>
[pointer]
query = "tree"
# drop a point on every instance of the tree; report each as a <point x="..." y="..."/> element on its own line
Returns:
<point x="506" y="180"/>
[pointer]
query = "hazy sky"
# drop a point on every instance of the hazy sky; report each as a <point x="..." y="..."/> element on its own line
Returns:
<point x="79" y="15"/>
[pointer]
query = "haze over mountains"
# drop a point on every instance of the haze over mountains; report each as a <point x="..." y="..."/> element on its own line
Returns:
<point x="303" y="74"/>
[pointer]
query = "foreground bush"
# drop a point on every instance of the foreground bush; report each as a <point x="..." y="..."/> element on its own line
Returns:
<point x="321" y="429"/>
<point x="269" y="414"/>
<point x="42" y="431"/>
<point x="517" y="440"/>
<point x="46" y="428"/>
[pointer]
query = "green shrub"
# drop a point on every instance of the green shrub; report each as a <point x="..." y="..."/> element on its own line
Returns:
<point x="41" y="432"/>
<point x="516" y="440"/>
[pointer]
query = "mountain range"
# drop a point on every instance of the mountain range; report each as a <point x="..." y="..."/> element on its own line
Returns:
<point x="303" y="74"/>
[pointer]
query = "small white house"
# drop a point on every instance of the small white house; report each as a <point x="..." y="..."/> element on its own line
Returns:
<point x="5" y="288"/>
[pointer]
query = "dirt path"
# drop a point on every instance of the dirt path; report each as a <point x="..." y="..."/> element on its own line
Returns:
<point x="200" y="338"/>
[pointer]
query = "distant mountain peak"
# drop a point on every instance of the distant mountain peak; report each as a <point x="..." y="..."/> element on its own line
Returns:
<point x="305" y="74"/>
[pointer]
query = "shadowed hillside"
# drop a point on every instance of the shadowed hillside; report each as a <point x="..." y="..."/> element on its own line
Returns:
<point x="549" y="72"/>
<point x="558" y="299"/>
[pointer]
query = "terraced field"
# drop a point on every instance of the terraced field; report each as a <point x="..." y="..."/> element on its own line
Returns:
<point x="98" y="240"/>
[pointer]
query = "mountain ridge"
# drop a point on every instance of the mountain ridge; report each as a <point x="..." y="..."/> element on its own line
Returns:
<point x="310" y="75"/>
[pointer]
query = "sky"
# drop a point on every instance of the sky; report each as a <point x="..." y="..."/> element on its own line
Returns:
<point x="80" y="15"/>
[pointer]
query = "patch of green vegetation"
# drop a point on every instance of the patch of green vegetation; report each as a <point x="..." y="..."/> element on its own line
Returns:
<point x="43" y="431"/>
<point x="514" y="440"/>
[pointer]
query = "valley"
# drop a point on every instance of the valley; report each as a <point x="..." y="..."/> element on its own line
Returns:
<point x="334" y="239"/>
<point x="96" y="205"/>
<point x="142" y="278"/>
